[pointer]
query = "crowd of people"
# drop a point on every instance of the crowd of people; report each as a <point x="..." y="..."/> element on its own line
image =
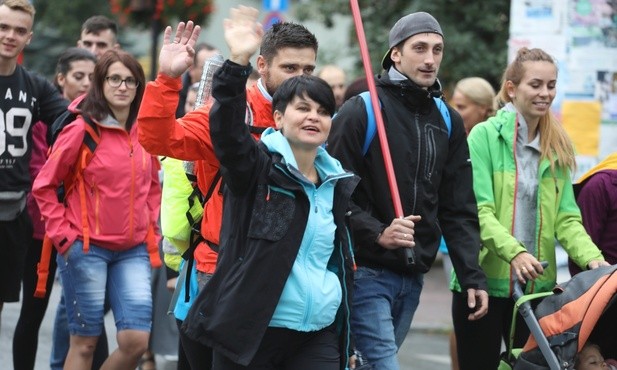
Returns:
<point x="288" y="250"/>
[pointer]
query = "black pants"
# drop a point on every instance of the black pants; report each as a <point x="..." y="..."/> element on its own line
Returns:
<point x="192" y="355"/>
<point x="284" y="349"/>
<point x="26" y="337"/>
<point x="479" y="342"/>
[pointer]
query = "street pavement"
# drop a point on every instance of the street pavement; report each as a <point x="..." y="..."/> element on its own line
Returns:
<point x="426" y="346"/>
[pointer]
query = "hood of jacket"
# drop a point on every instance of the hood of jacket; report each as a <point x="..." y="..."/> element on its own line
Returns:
<point x="418" y="98"/>
<point x="277" y="143"/>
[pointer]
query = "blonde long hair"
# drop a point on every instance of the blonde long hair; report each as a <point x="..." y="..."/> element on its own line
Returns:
<point x="553" y="137"/>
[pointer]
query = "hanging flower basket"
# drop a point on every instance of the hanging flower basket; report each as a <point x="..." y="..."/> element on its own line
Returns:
<point x="141" y="13"/>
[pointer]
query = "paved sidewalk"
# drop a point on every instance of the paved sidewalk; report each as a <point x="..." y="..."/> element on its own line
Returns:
<point x="426" y="346"/>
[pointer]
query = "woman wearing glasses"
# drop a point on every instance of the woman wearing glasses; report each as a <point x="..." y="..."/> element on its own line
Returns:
<point x="108" y="217"/>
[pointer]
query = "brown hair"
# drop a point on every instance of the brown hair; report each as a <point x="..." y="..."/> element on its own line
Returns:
<point x="95" y="103"/>
<point x="553" y="137"/>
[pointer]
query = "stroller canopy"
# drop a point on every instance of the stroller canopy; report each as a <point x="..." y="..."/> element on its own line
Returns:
<point x="580" y="309"/>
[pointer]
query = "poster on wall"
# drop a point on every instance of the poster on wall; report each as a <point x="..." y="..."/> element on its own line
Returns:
<point x="541" y="16"/>
<point x="606" y="93"/>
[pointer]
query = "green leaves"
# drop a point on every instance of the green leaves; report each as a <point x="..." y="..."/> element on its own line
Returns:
<point x="476" y="32"/>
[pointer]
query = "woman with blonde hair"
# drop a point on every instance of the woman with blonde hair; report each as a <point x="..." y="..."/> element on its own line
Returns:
<point x="521" y="159"/>
<point x="474" y="100"/>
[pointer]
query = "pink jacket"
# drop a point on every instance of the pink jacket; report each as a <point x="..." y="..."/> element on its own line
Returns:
<point x="122" y="189"/>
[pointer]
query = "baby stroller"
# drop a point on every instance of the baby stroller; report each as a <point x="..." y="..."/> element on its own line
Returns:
<point x="578" y="310"/>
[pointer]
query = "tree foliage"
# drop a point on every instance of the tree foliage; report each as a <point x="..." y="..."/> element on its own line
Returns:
<point x="57" y="25"/>
<point x="476" y="32"/>
<point x="141" y="13"/>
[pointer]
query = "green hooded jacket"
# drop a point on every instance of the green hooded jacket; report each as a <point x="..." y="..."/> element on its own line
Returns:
<point x="492" y="150"/>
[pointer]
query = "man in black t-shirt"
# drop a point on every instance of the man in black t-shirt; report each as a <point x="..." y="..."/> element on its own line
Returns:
<point x="25" y="98"/>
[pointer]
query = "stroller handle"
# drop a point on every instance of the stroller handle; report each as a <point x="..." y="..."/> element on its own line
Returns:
<point x="526" y="312"/>
<point x="518" y="289"/>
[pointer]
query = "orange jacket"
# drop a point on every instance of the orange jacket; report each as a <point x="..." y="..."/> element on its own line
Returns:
<point x="188" y="138"/>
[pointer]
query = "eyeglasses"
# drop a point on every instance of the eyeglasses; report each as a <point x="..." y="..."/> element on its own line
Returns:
<point x="116" y="81"/>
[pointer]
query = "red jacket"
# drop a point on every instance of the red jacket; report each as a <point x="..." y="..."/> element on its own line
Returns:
<point x="188" y="138"/>
<point x="123" y="194"/>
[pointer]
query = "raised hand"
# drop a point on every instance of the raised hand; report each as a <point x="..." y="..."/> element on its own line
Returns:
<point x="178" y="52"/>
<point x="243" y="34"/>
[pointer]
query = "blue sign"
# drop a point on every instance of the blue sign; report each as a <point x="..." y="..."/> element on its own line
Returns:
<point x="275" y="5"/>
<point x="272" y="18"/>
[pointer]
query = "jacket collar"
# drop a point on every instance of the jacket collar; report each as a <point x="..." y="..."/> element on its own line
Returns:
<point x="413" y="95"/>
<point x="326" y="165"/>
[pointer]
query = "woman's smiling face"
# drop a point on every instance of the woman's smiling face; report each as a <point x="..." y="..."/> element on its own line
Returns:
<point x="305" y="123"/>
<point x="535" y="93"/>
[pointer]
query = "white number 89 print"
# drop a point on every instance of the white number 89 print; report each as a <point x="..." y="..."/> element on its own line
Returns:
<point x="7" y="127"/>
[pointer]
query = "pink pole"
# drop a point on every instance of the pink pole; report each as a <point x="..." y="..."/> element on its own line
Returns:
<point x="381" y="131"/>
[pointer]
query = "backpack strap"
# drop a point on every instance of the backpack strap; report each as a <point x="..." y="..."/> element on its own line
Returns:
<point x="91" y="140"/>
<point x="153" y="247"/>
<point x="371" y="125"/>
<point x="42" y="268"/>
<point x="195" y="237"/>
<point x="445" y="113"/>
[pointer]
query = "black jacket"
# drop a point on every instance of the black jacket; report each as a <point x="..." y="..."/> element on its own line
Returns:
<point x="433" y="173"/>
<point x="261" y="234"/>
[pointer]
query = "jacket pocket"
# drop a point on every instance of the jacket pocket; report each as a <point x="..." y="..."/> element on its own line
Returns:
<point x="273" y="211"/>
<point x="431" y="153"/>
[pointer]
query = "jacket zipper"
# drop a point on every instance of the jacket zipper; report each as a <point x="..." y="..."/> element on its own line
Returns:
<point x="515" y="191"/>
<point x="132" y="196"/>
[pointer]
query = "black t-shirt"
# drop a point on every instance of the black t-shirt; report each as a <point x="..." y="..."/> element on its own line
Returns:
<point x="25" y="98"/>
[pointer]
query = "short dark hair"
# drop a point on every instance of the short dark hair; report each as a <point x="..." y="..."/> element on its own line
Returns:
<point x="98" y="23"/>
<point x="286" y="35"/>
<point x="95" y="103"/>
<point x="304" y="85"/>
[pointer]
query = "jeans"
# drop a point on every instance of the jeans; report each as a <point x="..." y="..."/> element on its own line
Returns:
<point x="384" y="303"/>
<point x="124" y="276"/>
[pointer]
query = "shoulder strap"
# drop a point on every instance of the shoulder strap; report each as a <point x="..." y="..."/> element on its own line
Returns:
<point x="445" y="113"/>
<point x="91" y="140"/>
<point x="42" y="268"/>
<point x="371" y="126"/>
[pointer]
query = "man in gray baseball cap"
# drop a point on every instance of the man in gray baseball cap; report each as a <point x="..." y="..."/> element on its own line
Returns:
<point x="430" y="159"/>
<point x="410" y="25"/>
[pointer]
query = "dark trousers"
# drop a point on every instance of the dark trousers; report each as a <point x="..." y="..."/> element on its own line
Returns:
<point x="479" y="342"/>
<point x="284" y="349"/>
<point x="26" y="337"/>
<point x="192" y="355"/>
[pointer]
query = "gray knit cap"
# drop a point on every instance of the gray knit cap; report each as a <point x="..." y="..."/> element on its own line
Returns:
<point x="409" y="25"/>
